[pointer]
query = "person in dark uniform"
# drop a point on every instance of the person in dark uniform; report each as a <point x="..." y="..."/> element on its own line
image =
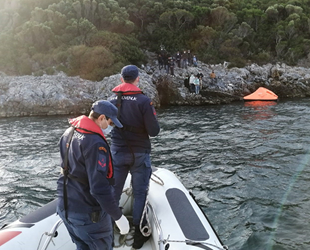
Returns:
<point x="184" y="60"/>
<point x="186" y="82"/>
<point x="178" y="59"/>
<point x="171" y="65"/>
<point x="160" y="61"/>
<point x="86" y="199"/>
<point x="131" y="146"/>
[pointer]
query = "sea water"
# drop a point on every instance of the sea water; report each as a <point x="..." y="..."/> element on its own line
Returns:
<point x="246" y="163"/>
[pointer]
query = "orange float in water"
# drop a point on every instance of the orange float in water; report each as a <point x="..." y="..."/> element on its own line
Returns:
<point x="261" y="94"/>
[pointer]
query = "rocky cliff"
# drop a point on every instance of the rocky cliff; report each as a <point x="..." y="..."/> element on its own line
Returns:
<point x="62" y="95"/>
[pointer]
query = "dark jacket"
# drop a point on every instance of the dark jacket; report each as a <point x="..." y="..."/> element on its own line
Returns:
<point x="200" y="75"/>
<point x="89" y="159"/>
<point x="138" y="117"/>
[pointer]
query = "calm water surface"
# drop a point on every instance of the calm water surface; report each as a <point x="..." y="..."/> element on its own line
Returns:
<point x="246" y="163"/>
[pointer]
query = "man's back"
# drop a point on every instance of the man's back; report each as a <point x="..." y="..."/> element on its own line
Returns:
<point x="138" y="117"/>
<point x="131" y="145"/>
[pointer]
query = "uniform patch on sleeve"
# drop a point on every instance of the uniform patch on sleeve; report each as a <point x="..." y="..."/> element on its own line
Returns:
<point x="103" y="148"/>
<point x="154" y="111"/>
<point x="102" y="163"/>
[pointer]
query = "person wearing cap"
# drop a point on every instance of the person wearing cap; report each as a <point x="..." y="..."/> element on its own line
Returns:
<point x="85" y="193"/>
<point x="130" y="145"/>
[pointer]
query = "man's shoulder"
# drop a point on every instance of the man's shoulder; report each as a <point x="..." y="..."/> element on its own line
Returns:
<point x="93" y="138"/>
<point x="144" y="99"/>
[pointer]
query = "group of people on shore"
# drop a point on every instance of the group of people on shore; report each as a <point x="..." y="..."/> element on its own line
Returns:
<point x="194" y="82"/>
<point x="94" y="174"/>
<point x="182" y="60"/>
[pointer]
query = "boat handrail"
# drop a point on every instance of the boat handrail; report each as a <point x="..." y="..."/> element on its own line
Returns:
<point x="158" y="228"/>
<point x="50" y="235"/>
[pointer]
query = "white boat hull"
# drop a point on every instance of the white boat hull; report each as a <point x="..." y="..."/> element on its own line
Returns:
<point x="176" y="220"/>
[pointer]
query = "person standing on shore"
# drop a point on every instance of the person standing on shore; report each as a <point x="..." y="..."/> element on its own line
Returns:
<point x="131" y="146"/>
<point x="200" y="76"/>
<point x="212" y="76"/>
<point x="196" y="83"/>
<point x="184" y="60"/>
<point x="86" y="199"/>
<point x="192" y="83"/>
<point x="178" y="59"/>
<point x="189" y="58"/>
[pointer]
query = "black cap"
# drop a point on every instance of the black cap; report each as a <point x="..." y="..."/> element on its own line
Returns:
<point x="108" y="109"/>
<point x="130" y="72"/>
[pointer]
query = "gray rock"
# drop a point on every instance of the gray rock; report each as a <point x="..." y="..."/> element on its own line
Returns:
<point x="63" y="95"/>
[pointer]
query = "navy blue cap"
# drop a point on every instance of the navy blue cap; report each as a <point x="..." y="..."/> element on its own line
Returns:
<point x="108" y="109"/>
<point x="130" y="72"/>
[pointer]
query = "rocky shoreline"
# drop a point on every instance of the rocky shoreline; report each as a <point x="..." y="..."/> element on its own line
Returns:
<point x="63" y="95"/>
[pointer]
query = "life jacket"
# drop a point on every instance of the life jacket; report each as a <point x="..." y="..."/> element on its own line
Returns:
<point x="84" y="125"/>
<point x="124" y="89"/>
<point x="127" y="89"/>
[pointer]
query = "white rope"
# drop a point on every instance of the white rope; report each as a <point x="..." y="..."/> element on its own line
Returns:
<point x="124" y="240"/>
<point x="147" y="229"/>
<point x="127" y="240"/>
<point x="129" y="193"/>
<point x="224" y="247"/>
<point x="40" y="240"/>
<point x="158" y="181"/>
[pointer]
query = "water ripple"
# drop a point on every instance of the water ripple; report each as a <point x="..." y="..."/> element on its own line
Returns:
<point x="248" y="167"/>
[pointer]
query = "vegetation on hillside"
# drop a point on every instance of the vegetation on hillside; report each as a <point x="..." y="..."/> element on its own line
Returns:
<point x="95" y="38"/>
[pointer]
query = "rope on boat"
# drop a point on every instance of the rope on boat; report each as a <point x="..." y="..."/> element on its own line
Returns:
<point x="52" y="235"/>
<point x="145" y="230"/>
<point x="127" y="239"/>
<point x="40" y="241"/>
<point x="158" y="181"/>
<point x="129" y="193"/>
<point x="191" y="242"/>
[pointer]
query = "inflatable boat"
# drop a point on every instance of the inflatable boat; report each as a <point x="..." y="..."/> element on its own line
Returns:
<point x="176" y="222"/>
<point x="261" y="94"/>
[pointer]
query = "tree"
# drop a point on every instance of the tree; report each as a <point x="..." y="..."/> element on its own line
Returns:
<point x="272" y="13"/>
<point x="167" y="19"/>
<point x="253" y="17"/>
<point x="290" y="30"/>
<point x="280" y="48"/>
<point x="90" y="63"/>
<point x="201" y="14"/>
<point x="112" y="17"/>
<point x="85" y="29"/>
<point x="35" y="34"/>
<point x="222" y="19"/>
<point x="176" y="20"/>
<point x="244" y="30"/>
<point x="183" y="17"/>
<point x="290" y="9"/>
